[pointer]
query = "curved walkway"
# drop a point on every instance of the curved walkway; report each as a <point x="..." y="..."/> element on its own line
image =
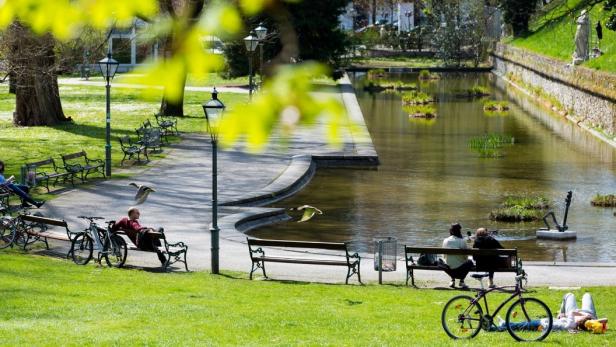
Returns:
<point x="182" y="205"/>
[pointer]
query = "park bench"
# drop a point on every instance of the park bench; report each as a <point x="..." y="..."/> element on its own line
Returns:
<point x="130" y="149"/>
<point x="163" y="135"/>
<point x="174" y="252"/>
<point x="168" y="124"/>
<point x="44" y="170"/>
<point x="411" y="265"/>
<point x="79" y="164"/>
<point x="258" y="257"/>
<point x="5" y="195"/>
<point x="36" y="228"/>
<point x="150" y="138"/>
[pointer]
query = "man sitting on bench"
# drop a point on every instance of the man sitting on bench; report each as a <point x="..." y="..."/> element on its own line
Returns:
<point x="140" y="235"/>
<point x="19" y="189"/>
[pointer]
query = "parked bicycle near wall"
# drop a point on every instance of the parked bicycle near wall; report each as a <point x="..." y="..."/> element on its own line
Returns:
<point x="527" y="319"/>
<point x="109" y="245"/>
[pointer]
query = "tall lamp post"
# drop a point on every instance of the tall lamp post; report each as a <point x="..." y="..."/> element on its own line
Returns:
<point x="261" y="32"/>
<point x="214" y="110"/>
<point x="251" y="42"/>
<point x="108" y="67"/>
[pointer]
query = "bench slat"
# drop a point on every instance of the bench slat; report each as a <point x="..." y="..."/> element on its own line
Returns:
<point x="303" y="261"/>
<point x="49" y="235"/>
<point x="459" y="251"/>
<point x="298" y="244"/>
<point x="44" y="220"/>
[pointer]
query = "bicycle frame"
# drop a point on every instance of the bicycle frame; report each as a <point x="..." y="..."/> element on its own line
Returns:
<point x="483" y="294"/>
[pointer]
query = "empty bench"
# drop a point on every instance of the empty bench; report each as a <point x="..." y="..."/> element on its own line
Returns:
<point x="411" y="265"/>
<point x="79" y="164"/>
<point x="36" y="228"/>
<point x="43" y="171"/>
<point x="174" y="252"/>
<point x="258" y="257"/>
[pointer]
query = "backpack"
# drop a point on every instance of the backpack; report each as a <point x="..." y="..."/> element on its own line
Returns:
<point x="427" y="259"/>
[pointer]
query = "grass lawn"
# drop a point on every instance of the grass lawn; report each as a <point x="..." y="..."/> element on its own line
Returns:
<point x="211" y="79"/>
<point x="48" y="301"/>
<point x="86" y="106"/>
<point x="553" y="35"/>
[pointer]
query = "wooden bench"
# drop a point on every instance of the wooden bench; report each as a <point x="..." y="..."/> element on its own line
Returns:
<point x="169" y="125"/>
<point x="37" y="229"/>
<point x="43" y="171"/>
<point x="174" y="252"/>
<point x="258" y="257"/>
<point x="79" y="164"/>
<point x="411" y="265"/>
<point x="130" y="149"/>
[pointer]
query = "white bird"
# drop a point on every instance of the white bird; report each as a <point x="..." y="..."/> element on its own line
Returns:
<point x="309" y="212"/>
<point x="142" y="192"/>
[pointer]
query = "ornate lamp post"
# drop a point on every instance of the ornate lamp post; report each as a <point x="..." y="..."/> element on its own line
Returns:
<point x="251" y="42"/>
<point x="108" y="67"/>
<point x="261" y="32"/>
<point x="214" y="110"/>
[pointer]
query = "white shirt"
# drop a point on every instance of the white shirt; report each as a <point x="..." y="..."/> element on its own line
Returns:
<point x="454" y="260"/>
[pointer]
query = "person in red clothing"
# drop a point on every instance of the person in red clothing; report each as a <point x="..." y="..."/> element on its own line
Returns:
<point x="138" y="234"/>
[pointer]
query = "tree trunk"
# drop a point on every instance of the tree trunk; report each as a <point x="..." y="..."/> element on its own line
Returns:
<point x="32" y="60"/>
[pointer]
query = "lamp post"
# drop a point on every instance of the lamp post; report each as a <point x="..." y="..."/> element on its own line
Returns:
<point x="251" y="42"/>
<point x="108" y="67"/>
<point x="214" y="110"/>
<point x="261" y="32"/>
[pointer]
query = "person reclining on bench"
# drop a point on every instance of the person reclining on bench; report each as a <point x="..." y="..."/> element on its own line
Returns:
<point x="19" y="189"/>
<point x="139" y="235"/>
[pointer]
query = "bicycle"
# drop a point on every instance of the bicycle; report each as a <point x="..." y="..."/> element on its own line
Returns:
<point x="109" y="245"/>
<point x="13" y="230"/>
<point x="527" y="319"/>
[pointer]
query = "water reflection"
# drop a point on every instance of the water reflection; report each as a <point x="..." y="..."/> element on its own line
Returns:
<point x="429" y="178"/>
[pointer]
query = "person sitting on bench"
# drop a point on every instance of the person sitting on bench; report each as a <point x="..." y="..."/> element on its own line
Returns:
<point x="483" y="240"/>
<point x="457" y="266"/>
<point x="19" y="189"/>
<point x="138" y="234"/>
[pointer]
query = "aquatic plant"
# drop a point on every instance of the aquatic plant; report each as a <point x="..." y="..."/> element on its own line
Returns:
<point x="376" y="86"/>
<point x="494" y="106"/>
<point x="608" y="200"/>
<point x="478" y="91"/>
<point x="417" y="98"/>
<point x="376" y="74"/>
<point x="426" y="75"/>
<point x="420" y="111"/>
<point x="489" y="145"/>
<point x="521" y="208"/>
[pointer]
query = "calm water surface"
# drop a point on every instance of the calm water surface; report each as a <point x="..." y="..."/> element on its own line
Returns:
<point x="428" y="177"/>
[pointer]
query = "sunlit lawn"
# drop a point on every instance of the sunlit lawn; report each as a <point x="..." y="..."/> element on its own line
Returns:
<point x="49" y="301"/>
<point x="86" y="106"/>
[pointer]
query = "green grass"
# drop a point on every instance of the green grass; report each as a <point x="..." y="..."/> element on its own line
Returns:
<point x="420" y="111"/>
<point x="553" y="33"/>
<point x="521" y="208"/>
<point x="86" y="106"/>
<point x="417" y="98"/>
<point x="608" y="200"/>
<point x="490" y="145"/>
<point x="49" y="302"/>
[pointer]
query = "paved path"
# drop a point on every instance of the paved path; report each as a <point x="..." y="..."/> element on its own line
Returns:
<point x="182" y="205"/>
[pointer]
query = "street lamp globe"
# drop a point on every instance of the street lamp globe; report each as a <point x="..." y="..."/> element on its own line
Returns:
<point x="108" y="67"/>
<point x="261" y="31"/>
<point x="213" y="110"/>
<point x="251" y="41"/>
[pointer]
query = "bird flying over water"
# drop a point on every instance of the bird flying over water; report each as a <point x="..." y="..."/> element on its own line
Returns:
<point x="142" y="192"/>
<point x="309" y="212"/>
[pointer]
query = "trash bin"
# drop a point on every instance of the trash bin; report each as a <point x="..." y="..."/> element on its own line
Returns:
<point x="385" y="254"/>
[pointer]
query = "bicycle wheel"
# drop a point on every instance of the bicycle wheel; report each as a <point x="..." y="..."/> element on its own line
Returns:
<point x="461" y="318"/>
<point x="529" y="319"/>
<point x="117" y="251"/>
<point x="7" y="232"/>
<point x="81" y="249"/>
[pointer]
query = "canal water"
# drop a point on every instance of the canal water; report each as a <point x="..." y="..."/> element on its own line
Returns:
<point x="430" y="178"/>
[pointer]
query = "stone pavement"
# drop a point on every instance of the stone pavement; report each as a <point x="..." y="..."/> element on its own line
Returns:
<point x="247" y="182"/>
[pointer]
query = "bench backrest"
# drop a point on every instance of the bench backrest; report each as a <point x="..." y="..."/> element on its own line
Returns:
<point x="125" y="141"/>
<point x="36" y="164"/>
<point x="458" y="251"/>
<point x="297" y="244"/>
<point x="147" y="124"/>
<point x="43" y="220"/>
<point x="73" y="155"/>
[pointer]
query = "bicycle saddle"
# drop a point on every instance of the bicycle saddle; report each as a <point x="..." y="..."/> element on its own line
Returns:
<point x="479" y="276"/>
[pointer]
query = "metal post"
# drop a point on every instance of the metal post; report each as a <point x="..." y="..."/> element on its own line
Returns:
<point x="261" y="62"/>
<point x="250" y="76"/>
<point x="214" y="229"/>
<point x="567" y="204"/>
<point x="380" y="262"/>
<point x="108" y="131"/>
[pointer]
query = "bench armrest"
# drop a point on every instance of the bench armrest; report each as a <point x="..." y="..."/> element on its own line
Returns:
<point x="178" y="244"/>
<point x="258" y="250"/>
<point x="73" y="168"/>
<point x="98" y="161"/>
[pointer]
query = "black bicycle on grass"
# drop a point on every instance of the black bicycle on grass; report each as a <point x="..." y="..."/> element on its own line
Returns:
<point x="527" y="319"/>
<point x="109" y="245"/>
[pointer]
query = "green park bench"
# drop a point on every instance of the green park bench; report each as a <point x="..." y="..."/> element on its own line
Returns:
<point x="131" y="148"/>
<point x="79" y="165"/>
<point x="40" y="172"/>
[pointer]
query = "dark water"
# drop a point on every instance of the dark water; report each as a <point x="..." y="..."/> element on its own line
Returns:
<point x="429" y="178"/>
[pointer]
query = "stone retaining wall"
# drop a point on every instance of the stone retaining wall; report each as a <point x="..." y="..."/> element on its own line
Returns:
<point x="589" y="94"/>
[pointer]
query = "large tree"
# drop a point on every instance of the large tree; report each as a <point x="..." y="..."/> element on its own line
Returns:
<point x="32" y="65"/>
<point x="517" y="13"/>
<point x="185" y="12"/>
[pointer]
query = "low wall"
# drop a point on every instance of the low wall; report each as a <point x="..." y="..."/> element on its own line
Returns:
<point x="588" y="95"/>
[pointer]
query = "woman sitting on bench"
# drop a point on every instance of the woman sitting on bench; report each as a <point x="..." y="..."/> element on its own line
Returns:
<point x="139" y="235"/>
<point x="19" y="189"/>
<point x="457" y="266"/>
<point x="483" y="240"/>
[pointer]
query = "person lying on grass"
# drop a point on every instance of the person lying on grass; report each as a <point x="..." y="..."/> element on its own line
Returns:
<point x="139" y="235"/>
<point x="19" y="189"/>
<point x="570" y="318"/>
